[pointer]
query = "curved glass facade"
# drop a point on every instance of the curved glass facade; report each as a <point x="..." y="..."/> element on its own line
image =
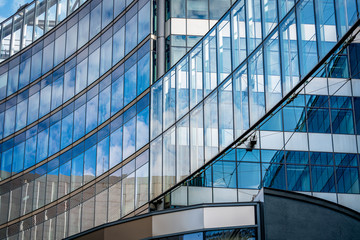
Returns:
<point x="89" y="136"/>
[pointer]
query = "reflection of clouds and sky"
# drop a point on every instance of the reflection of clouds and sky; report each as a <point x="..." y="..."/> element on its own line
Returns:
<point x="9" y="7"/>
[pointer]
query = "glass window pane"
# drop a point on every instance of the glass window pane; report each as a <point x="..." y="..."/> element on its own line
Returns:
<point x="156" y="109"/>
<point x="182" y="89"/>
<point x="117" y="89"/>
<point x="144" y="22"/>
<point x="272" y="71"/>
<point x="102" y="158"/>
<point x="224" y="174"/>
<point x="95" y="21"/>
<point x="211" y="126"/>
<point x="182" y="149"/>
<point x="241" y="101"/>
<point x="71" y="40"/>
<point x="254" y="36"/>
<point x="131" y="34"/>
<point x="197" y="9"/>
<point x="256" y="87"/>
<point x="129" y="138"/>
<point x="307" y="44"/>
<point x="224" y="48"/>
<point x="169" y="99"/>
<point x="142" y="128"/>
<point x="196" y="138"/>
<point x="289" y="56"/>
<point x="83" y="30"/>
<point x="226" y="126"/>
<point x="210" y="69"/>
<point x="91" y="114"/>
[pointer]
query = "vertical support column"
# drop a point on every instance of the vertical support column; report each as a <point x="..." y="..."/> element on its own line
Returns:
<point x="160" y="43"/>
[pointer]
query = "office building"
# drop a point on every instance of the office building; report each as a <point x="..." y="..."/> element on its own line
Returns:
<point x="185" y="119"/>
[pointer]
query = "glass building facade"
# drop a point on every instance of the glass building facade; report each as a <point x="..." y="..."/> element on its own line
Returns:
<point x="256" y="93"/>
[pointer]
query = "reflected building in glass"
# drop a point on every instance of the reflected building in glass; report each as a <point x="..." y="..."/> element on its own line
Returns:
<point x="184" y="119"/>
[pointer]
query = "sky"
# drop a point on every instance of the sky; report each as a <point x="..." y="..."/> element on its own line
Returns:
<point x="9" y="7"/>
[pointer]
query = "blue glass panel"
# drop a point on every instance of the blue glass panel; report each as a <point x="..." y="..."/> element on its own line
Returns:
<point x="248" y="175"/>
<point x="210" y="65"/>
<point x="130" y="85"/>
<point x="30" y="152"/>
<point x="105" y="60"/>
<point x="77" y="168"/>
<point x="81" y="75"/>
<point x="272" y="71"/>
<point x="117" y="89"/>
<point x="345" y="159"/>
<point x="59" y="52"/>
<point x="95" y="21"/>
<point x="284" y="7"/>
<point x="256" y="87"/>
<point x="269" y="15"/>
<point x="131" y="34"/>
<point x="129" y="138"/>
<point x="297" y="157"/>
<point x="182" y="89"/>
<point x="5" y="168"/>
<point x="18" y="158"/>
<point x="79" y="122"/>
<point x="342" y="121"/>
<point x="66" y="131"/>
<point x="94" y="67"/>
<point x="13" y="80"/>
<point x="118" y="45"/>
<point x="45" y="100"/>
<point x="42" y="145"/>
<point x="9" y="125"/>
<point x="224" y="174"/>
<point x="247" y="156"/>
<point x="54" y="141"/>
<point x="21" y="113"/>
<point x="24" y="74"/>
<point x="224" y="48"/>
<point x="169" y="99"/>
<point x="107" y="12"/>
<point x="226" y="125"/>
<point x="274" y="175"/>
<point x="241" y="101"/>
<point x="307" y="43"/>
<point x="57" y="93"/>
<point x="142" y="128"/>
<point x="238" y="33"/>
<point x="318" y="120"/>
<point x="253" y="24"/>
<point x="33" y="109"/>
<point x="347" y="180"/>
<point x="298" y="178"/>
<point x="323" y="179"/>
<point x="116" y="147"/>
<point x="273" y="123"/>
<point x="102" y="159"/>
<point x="91" y="114"/>
<point x="289" y="53"/>
<point x="143" y="74"/>
<point x="346" y="15"/>
<point x="182" y="149"/>
<point x="321" y="158"/>
<point x="272" y="156"/>
<point x="326" y="26"/>
<point x="36" y="66"/>
<point x="197" y="9"/>
<point x="90" y="164"/>
<point x="144" y="22"/>
<point x="69" y="84"/>
<point x="48" y="57"/>
<point x="104" y="105"/>
<point x="156" y="109"/>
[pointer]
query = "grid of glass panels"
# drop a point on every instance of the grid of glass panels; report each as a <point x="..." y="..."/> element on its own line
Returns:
<point x="115" y="43"/>
<point x="105" y="201"/>
<point x="230" y="79"/>
<point x="84" y="162"/>
<point x="78" y="118"/>
<point x="40" y="16"/>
